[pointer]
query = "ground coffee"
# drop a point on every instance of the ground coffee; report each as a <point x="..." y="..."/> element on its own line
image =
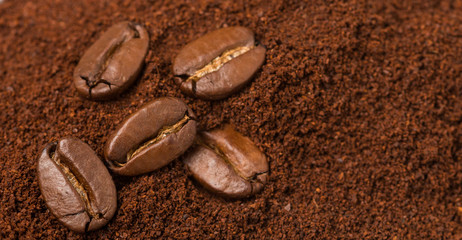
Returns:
<point x="357" y="108"/>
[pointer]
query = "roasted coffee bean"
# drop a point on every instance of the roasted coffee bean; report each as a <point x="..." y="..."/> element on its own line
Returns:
<point x="218" y="64"/>
<point x="113" y="62"/>
<point x="76" y="185"/>
<point x="227" y="163"/>
<point x="151" y="137"/>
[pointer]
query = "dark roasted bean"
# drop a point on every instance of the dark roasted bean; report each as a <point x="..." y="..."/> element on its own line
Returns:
<point x="152" y="137"/>
<point x="227" y="163"/>
<point x="76" y="185"/>
<point x="218" y="64"/>
<point x="113" y="62"/>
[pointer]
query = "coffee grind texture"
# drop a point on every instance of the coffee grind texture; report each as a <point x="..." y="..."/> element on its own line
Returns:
<point x="357" y="108"/>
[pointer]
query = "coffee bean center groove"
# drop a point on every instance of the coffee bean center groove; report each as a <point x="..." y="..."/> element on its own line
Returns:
<point x="218" y="62"/>
<point x="78" y="186"/>
<point x="163" y="133"/>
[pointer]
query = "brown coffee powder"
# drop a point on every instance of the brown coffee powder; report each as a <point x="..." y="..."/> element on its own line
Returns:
<point x="357" y="107"/>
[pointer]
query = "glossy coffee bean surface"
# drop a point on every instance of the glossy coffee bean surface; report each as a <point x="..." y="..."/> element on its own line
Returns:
<point x="76" y="186"/>
<point x="151" y="137"/>
<point x="227" y="163"/>
<point x="218" y="64"/>
<point x="113" y="62"/>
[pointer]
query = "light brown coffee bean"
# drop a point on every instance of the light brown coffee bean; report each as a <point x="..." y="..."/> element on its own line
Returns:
<point x="76" y="185"/>
<point x="113" y="62"/>
<point x="227" y="163"/>
<point x="218" y="64"/>
<point x="151" y="137"/>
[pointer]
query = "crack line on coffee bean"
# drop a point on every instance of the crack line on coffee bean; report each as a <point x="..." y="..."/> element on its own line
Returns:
<point x="78" y="186"/>
<point x="87" y="225"/>
<point x="220" y="153"/>
<point x="94" y="84"/>
<point x="80" y="212"/>
<point x="163" y="133"/>
<point x="218" y="62"/>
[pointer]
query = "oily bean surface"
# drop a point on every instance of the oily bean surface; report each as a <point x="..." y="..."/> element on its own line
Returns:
<point x="218" y="64"/>
<point x="113" y="62"/>
<point x="151" y="137"/>
<point x="76" y="186"/>
<point x="227" y="163"/>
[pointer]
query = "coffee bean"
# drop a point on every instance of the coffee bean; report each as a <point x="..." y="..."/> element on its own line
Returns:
<point x="76" y="185"/>
<point x="151" y="137"/>
<point x="218" y="64"/>
<point x="227" y="163"/>
<point x="113" y="62"/>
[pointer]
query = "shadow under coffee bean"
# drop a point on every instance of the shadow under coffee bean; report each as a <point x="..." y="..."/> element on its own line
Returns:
<point x="113" y="62"/>
<point x="151" y="137"/>
<point x="218" y="64"/>
<point x="227" y="163"/>
<point x="76" y="185"/>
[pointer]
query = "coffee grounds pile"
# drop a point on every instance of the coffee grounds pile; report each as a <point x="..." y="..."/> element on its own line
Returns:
<point x="358" y="108"/>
